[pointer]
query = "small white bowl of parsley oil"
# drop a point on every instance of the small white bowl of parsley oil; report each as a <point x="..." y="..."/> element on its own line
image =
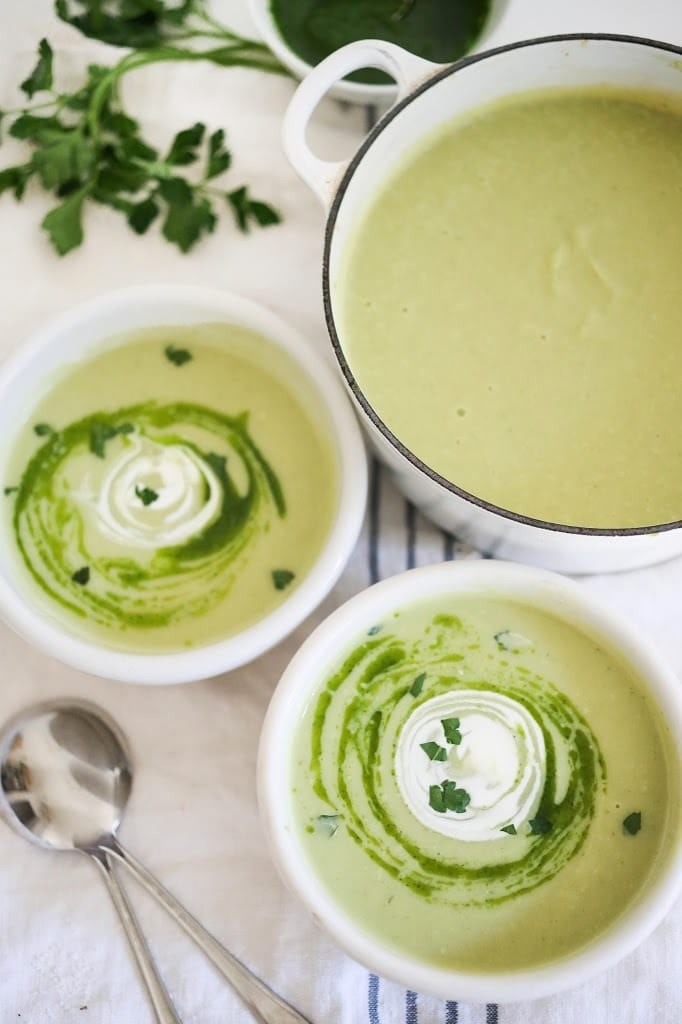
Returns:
<point x="301" y="33"/>
<point x="182" y="484"/>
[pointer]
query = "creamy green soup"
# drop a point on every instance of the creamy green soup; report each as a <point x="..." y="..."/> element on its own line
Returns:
<point x="509" y="303"/>
<point x="481" y="786"/>
<point x="172" y="489"/>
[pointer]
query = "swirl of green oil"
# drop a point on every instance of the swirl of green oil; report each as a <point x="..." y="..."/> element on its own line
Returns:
<point x="172" y="584"/>
<point x="357" y="721"/>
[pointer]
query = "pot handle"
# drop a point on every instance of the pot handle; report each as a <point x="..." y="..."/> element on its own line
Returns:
<point x="407" y="69"/>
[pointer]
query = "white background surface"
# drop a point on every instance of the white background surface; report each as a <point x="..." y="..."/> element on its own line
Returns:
<point x="193" y="816"/>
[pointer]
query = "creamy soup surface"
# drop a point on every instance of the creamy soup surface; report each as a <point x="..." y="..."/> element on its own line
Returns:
<point x="172" y="489"/>
<point x="481" y="785"/>
<point x="509" y="303"/>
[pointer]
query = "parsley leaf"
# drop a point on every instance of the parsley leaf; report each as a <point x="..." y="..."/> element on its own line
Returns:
<point x="65" y="157"/>
<point x="540" y="826"/>
<point x="177" y="356"/>
<point x="434" y="751"/>
<point x="632" y="823"/>
<point x="146" y="495"/>
<point x="436" y="800"/>
<point x="509" y="829"/>
<point x="101" y="432"/>
<point x="82" y="576"/>
<point x="43" y="429"/>
<point x="248" y="211"/>
<point x="373" y="630"/>
<point x="455" y="799"/>
<point x="64" y="223"/>
<point x="134" y="23"/>
<point x="16" y="178"/>
<point x="40" y="78"/>
<point x="418" y="685"/>
<point x="451" y="731"/>
<point x="187" y="217"/>
<point x="448" y="797"/>
<point x="142" y="215"/>
<point x="219" y="158"/>
<point x="281" y="578"/>
<point x="184" y="147"/>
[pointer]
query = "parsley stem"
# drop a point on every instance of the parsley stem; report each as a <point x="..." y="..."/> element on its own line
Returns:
<point x="237" y="55"/>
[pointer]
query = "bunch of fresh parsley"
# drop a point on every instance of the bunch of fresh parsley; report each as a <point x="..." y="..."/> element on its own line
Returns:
<point x="85" y="147"/>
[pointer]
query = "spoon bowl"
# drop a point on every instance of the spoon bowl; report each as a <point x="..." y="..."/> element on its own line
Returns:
<point x="66" y="775"/>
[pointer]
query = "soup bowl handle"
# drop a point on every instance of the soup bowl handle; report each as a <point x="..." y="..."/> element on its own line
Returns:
<point x="408" y="70"/>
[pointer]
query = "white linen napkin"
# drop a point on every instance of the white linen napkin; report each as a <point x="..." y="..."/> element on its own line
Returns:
<point x="192" y="816"/>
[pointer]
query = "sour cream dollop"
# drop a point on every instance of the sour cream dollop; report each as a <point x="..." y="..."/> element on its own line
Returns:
<point x="500" y="762"/>
<point x="188" y="495"/>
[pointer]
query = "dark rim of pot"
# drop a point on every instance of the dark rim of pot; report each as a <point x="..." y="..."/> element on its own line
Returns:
<point x="329" y="315"/>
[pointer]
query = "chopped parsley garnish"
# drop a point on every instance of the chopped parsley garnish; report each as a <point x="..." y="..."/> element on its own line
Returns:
<point x="327" y="825"/>
<point x="448" y="797"/>
<point x="11" y="490"/>
<point x="632" y="823"/>
<point x="434" y="751"/>
<point x="509" y="829"/>
<point x="82" y="576"/>
<point x="282" y="578"/>
<point x="418" y="685"/>
<point x="451" y="731"/>
<point x="455" y="799"/>
<point x="101" y="432"/>
<point x="373" y="630"/>
<point x="146" y="495"/>
<point x="177" y="356"/>
<point x="436" y="800"/>
<point x="540" y="825"/>
<point x="43" y="429"/>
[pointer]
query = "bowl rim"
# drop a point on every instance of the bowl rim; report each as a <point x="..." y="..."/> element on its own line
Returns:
<point x="556" y="594"/>
<point x="46" y="633"/>
<point x="334" y="335"/>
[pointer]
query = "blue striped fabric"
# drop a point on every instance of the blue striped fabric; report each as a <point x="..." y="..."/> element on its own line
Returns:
<point x="374" y="573"/>
<point x="411" y="1007"/>
<point x="373" y="999"/>
<point x="451" y="1012"/>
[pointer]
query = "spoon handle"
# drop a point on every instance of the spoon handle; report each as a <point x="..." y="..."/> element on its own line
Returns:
<point x="265" y="1006"/>
<point x="158" y="994"/>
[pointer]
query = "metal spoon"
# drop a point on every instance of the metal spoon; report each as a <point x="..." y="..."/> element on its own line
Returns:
<point x="66" y="779"/>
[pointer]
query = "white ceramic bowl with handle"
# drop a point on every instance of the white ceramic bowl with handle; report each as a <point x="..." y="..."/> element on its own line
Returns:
<point x="79" y="334"/>
<point x="430" y="96"/>
<point x="320" y="655"/>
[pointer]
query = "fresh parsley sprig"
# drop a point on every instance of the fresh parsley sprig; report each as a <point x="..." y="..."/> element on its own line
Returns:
<point x="143" y="24"/>
<point x="85" y="147"/>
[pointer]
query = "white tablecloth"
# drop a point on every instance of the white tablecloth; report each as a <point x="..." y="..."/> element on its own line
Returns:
<point x="193" y="814"/>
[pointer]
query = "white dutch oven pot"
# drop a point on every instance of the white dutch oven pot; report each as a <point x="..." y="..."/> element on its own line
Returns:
<point x="430" y="95"/>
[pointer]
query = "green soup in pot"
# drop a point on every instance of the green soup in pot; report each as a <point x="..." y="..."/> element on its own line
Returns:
<point x="509" y="305"/>
<point x="172" y="489"/>
<point x="481" y="786"/>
